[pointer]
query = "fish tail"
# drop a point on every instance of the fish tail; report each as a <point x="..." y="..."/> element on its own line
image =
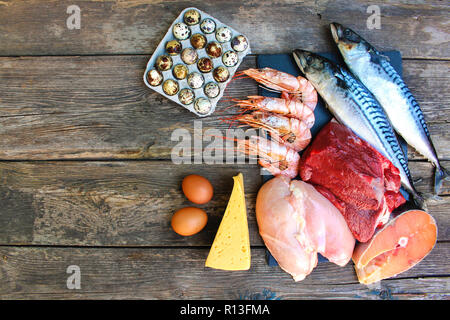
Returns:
<point x="420" y="200"/>
<point x="440" y="174"/>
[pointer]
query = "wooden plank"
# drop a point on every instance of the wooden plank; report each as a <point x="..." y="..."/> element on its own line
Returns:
<point x="99" y="108"/>
<point x="179" y="273"/>
<point x="34" y="27"/>
<point x="130" y="203"/>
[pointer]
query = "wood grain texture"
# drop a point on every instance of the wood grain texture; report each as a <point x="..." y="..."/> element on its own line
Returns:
<point x="131" y="203"/>
<point x="38" y="27"/>
<point x="99" y="108"/>
<point x="179" y="273"/>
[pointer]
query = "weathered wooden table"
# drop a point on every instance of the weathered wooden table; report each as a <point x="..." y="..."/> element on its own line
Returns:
<point x="85" y="173"/>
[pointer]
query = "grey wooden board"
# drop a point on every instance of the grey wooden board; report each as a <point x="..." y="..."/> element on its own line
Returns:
<point x="419" y="29"/>
<point x="98" y="107"/>
<point x="118" y="203"/>
<point x="179" y="273"/>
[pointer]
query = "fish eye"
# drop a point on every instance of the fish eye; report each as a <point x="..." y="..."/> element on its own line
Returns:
<point x="309" y="59"/>
<point x="347" y="32"/>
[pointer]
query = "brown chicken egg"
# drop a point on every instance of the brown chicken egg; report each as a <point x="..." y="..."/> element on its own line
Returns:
<point x="198" y="41"/>
<point x="221" y="74"/>
<point x="189" y="221"/>
<point x="154" y="77"/>
<point x="173" y="47"/>
<point x="180" y="71"/>
<point x="197" y="189"/>
<point x="170" y="87"/>
<point x="205" y="65"/>
<point x="214" y="50"/>
<point x="163" y="63"/>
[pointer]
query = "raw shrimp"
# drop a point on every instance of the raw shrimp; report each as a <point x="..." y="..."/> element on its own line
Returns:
<point x="287" y="105"/>
<point x="278" y="159"/>
<point x="284" y="82"/>
<point x="289" y="131"/>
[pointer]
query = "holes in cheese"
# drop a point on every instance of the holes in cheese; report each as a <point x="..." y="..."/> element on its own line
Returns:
<point x="231" y="247"/>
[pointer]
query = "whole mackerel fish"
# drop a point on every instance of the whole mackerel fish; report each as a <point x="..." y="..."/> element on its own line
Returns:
<point x="355" y="106"/>
<point x="377" y="74"/>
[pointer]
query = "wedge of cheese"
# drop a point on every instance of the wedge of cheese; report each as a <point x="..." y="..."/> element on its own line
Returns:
<point x="231" y="247"/>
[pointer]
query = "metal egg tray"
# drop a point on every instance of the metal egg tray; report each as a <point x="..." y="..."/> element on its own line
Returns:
<point x="208" y="77"/>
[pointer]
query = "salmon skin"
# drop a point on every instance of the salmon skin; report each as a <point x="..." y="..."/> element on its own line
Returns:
<point x="355" y="106"/>
<point x="375" y="71"/>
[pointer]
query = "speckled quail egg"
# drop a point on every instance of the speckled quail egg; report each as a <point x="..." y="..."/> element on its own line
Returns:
<point x="174" y="47"/>
<point x="205" y="65"/>
<point x="154" y="77"/>
<point x="223" y="34"/>
<point x="180" y="71"/>
<point x="163" y="63"/>
<point x="198" y="41"/>
<point x="195" y="80"/>
<point x="211" y="90"/>
<point x="170" y="87"/>
<point x="221" y="74"/>
<point x="208" y="26"/>
<point x="186" y="96"/>
<point x="192" y="17"/>
<point x="230" y="58"/>
<point x="181" y="31"/>
<point x="213" y="49"/>
<point x="189" y="56"/>
<point x="202" y="105"/>
<point x="239" y="43"/>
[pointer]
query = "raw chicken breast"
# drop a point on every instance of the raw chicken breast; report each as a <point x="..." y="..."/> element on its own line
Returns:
<point x="296" y="222"/>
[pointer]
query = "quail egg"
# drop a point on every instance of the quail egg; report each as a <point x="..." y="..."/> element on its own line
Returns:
<point x="205" y="65"/>
<point x="230" y="58"/>
<point x="163" y="63"/>
<point x="186" y="96"/>
<point x="173" y="47"/>
<point x="189" y="56"/>
<point x="239" y="43"/>
<point x="195" y="80"/>
<point x="198" y="41"/>
<point x="221" y="74"/>
<point x="208" y="26"/>
<point x="223" y="34"/>
<point x="154" y="77"/>
<point x="180" y="71"/>
<point x="192" y="17"/>
<point x="181" y="31"/>
<point x="211" y="90"/>
<point x="214" y="50"/>
<point x="170" y="87"/>
<point x="202" y="105"/>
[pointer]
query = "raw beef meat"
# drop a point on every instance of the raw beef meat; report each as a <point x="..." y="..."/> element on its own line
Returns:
<point x="357" y="179"/>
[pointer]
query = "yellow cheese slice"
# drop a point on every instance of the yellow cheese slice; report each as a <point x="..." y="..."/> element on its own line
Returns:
<point x="231" y="247"/>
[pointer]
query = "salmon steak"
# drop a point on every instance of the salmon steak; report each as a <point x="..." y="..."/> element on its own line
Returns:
<point x="362" y="183"/>
<point x="398" y="246"/>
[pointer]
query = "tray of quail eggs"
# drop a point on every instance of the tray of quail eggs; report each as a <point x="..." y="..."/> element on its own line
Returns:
<point x="196" y="59"/>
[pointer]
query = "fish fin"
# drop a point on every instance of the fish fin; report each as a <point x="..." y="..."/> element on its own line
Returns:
<point x="439" y="175"/>
<point x="420" y="200"/>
